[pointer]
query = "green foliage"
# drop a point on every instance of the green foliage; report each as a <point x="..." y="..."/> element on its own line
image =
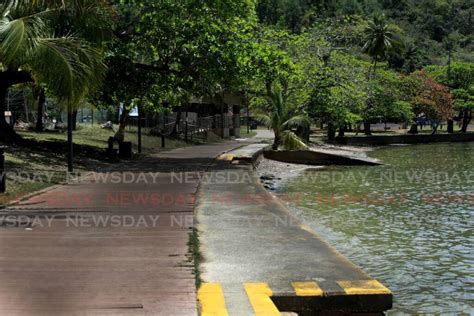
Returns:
<point x="435" y="26"/>
<point x="378" y="39"/>
<point x="166" y="50"/>
<point x="460" y="78"/>
<point x="385" y="99"/>
<point x="278" y="116"/>
<point x="457" y="75"/>
<point x="339" y="95"/>
<point x="32" y="40"/>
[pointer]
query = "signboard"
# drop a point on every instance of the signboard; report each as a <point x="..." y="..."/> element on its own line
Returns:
<point x="8" y="113"/>
<point x="133" y="112"/>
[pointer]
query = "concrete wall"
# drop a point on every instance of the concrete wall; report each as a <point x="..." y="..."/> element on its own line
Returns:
<point x="308" y="157"/>
<point x="405" y="139"/>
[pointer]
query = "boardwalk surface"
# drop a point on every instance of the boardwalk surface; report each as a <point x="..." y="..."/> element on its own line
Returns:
<point x="110" y="244"/>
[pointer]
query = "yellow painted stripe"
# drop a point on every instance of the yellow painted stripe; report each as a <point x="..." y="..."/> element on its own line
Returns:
<point x="211" y="298"/>
<point x="226" y="157"/>
<point x="363" y="287"/>
<point x="307" y="289"/>
<point x="259" y="296"/>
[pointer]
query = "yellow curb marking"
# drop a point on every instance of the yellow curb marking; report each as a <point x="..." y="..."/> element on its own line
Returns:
<point x="211" y="297"/>
<point x="307" y="289"/>
<point x="226" y="157"/>
<point x="259" y="296"/>
<point x="363" y="287"/>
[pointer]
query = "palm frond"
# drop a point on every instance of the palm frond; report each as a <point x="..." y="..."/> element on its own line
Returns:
<point x="297" y="121"/>
<point x="264" y="119"/>
<point x="290" y="141"/>
<point x="19" y="39"/>
<point x="67" y="66"/>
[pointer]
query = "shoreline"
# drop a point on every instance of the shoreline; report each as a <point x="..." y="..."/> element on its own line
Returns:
<point x="273" y="174"/>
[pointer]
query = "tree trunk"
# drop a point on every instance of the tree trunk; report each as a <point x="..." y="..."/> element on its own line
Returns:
<point x="435" y="128"/>
<point x="466" y="120"/>
<point x="74" y="120"/>
<point x="367" y="130"/>
<point x="120" y="134"/>
<point x="39" y="119"/>
<point x="276" y="142"/>
<point x="331" y="132"/>
<point x="7" y="133"/>
<point x="450" y="126"/>
<point x="303" y="133"/>
<point x="174" y="132"/>
<point x="413" y="129"/>
<point x="342" y="131"/>
<point x="449" y="66"/>
<point x="375" y="66"/>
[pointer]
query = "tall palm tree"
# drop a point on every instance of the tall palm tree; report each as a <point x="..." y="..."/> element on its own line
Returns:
<point x="33" y="50"/>
<point x="281" y="121"/>
<point x="378" y="39"/>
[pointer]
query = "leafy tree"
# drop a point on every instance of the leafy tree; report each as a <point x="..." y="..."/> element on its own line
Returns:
<point x="460" y="78"/>
<point x="179" y="48"/>
<point x="433" y="99"/>
<point x="339" y="94"/>
<point x="385" y="100"/>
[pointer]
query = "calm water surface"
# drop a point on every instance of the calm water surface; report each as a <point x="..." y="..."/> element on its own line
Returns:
<point x="408" y="224"/>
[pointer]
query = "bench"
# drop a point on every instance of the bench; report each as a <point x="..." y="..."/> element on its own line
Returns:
<point x="124" y="149"/>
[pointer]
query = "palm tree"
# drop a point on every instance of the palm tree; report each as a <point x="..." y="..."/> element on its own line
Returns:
<point x="378" y="39"/>
<point x="32" y="49"/>
<point x="281" y="121"/>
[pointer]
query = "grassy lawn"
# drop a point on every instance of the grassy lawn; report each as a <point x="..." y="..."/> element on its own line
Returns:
<point x="30" y="169"/>
<point x="244" y="134"/>
<point x="94" y="136"/>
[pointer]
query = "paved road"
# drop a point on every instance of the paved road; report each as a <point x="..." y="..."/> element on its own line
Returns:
<point x="111" y="244"/>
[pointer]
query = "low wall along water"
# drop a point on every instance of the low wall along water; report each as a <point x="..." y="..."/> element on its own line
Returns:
<point x="404" y="139"/>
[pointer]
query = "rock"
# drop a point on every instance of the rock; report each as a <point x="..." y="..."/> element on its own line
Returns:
<point x="109" y="125"/>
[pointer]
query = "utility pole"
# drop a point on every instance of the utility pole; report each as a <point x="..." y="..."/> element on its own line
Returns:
<point x="248" y="113"/>
<point x="3" y="177"/>
<point x="70" y="145"/>
<point x="139" y="128"/>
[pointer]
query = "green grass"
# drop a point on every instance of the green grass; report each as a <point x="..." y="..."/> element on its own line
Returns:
<point x="94" y="136"/>
<point x="33" y="169"/>
<point x="30" y="170"/>
<point x="244" y="134"/>
<point x="195" y="255"/>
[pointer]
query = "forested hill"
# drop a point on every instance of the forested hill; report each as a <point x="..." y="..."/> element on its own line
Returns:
<point x="435" y="26"/>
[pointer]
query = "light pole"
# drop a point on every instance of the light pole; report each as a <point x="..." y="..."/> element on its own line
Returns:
<point x="139" y="128"/>
<point x="70" y="144"/>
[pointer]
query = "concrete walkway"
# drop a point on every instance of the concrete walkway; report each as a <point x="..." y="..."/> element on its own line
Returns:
<point x="261" y="260"/>
<point x="114" y="243"/>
